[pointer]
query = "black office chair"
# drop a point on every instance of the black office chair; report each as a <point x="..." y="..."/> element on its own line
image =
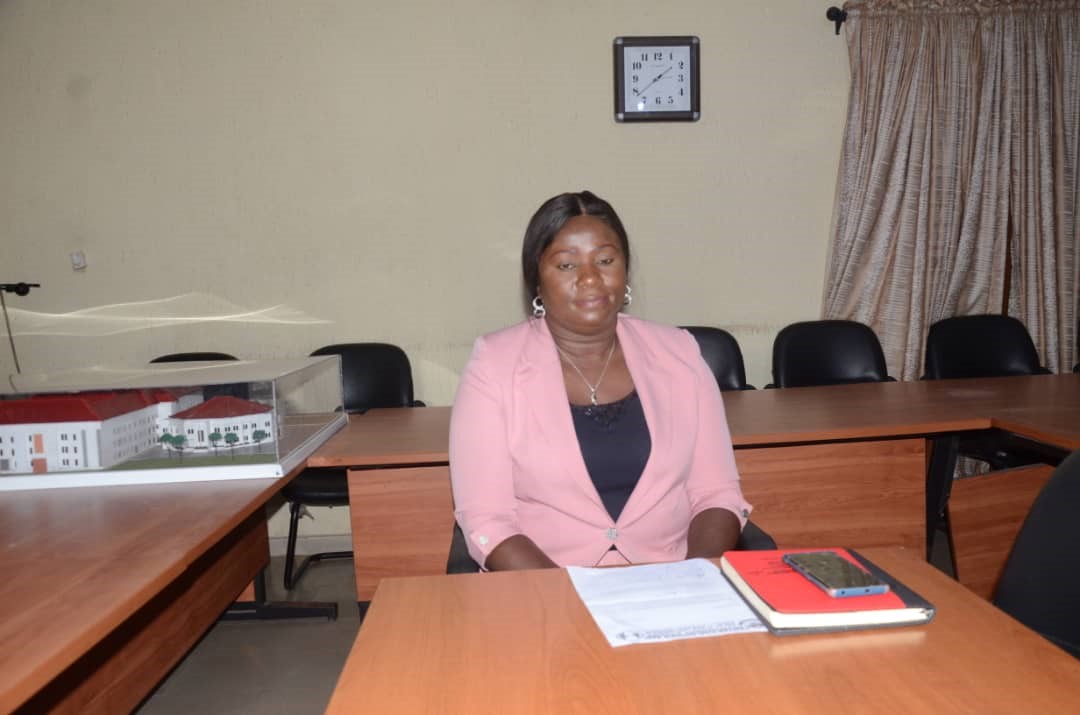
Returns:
<point x="192" y="357"/>
<point x="827" y="352"/>
<point x="1040" y="584"/>
<point x="980" y="346"/>
<point x="238" y="390"/>
<point x="723" y="356"/>
<point x="373" y="375"/>
<point x="972" y="346"/>
<point x="752" y="538"/>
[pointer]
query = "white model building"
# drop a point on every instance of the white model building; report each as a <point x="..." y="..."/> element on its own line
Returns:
<point x="209" y="424"/>
<point x="87" y="430"/>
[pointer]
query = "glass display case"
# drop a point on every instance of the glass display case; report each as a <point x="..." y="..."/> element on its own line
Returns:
<point x="167" y="422"/>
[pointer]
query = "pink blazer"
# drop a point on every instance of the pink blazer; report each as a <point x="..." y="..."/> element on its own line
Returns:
<point x="516" y="467"/>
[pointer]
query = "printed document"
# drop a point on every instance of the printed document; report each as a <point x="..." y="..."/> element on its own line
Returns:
<point x="662" y="602"/>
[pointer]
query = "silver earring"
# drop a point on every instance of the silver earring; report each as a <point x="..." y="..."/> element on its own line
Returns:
<point x="628" y="299"/>
<point x="539" y="311"/>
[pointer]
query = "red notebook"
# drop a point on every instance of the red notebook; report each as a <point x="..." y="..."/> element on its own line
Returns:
<point x="788" y="602"/>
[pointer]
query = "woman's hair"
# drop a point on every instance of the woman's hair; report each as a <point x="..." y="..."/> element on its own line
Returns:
<point x="549" y="220"/>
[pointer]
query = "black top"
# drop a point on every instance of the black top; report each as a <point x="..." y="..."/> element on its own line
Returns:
<point x="615" y="443"/>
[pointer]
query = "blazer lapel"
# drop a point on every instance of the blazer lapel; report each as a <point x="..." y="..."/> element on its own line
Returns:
<point x="653" y="382"/>
<point x="538" y="381"/>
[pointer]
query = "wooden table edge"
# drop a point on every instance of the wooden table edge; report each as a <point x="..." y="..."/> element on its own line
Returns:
<point x="124" y="609"/>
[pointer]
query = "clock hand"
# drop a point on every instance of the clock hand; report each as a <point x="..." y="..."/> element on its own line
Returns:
<point x="656" y="79"/>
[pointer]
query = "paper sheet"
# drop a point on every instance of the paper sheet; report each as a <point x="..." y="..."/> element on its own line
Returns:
<point x="662" y="602"/>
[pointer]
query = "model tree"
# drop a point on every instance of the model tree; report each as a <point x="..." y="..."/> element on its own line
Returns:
<point x="178" y="444"/>
<point x="214" y="438"/>
<point x="259" y="435"/>
<point x="231" y="438"/>
<point x="165" y="440"/>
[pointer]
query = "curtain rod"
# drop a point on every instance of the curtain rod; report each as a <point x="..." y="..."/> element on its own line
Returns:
<point x="835" y="14"/>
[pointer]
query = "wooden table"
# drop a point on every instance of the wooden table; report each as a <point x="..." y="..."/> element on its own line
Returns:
<point x="822" y="465"/>
<point x="105" y="589"/>
<point x="523" y="642"/>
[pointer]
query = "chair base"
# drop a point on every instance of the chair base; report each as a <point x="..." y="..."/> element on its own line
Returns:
<point x="292" y="578"/>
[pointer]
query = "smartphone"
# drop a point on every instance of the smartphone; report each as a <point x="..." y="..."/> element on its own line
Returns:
<point x="835" y="575"/>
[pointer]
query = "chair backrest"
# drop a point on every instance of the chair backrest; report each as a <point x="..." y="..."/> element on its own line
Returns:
<point x="1040" y="584"/>
<point x="980" y="346"/>
<point x="374" y="375"/>
<point x="722" y="355"/>
<point x="191" y="357"/>
<point x="827" y="352"/>
<point x="238" y="390"/>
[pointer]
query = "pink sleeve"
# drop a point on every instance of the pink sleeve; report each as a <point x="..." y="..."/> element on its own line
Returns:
<point x="481" y="468"/>
<point x="714" y="478"/>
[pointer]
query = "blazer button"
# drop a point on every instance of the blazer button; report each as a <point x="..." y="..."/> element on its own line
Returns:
<point x="612" y="534"/>
<point x="482" y="540"/>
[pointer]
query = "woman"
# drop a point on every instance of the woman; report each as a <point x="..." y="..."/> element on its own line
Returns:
<point x="584" y="436"/>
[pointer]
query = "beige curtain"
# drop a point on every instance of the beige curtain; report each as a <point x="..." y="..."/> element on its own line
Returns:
<point x="957" y="189"/>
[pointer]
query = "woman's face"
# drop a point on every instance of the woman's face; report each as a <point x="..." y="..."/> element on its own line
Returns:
<point x="583" y="277"/>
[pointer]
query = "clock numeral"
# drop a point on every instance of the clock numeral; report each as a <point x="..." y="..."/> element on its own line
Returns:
<point x="636" y="91"/>
<point x="637" y="66"/>
<point x="670" y="100"/>
<point x="681" y="92"/>
<point x="682" y="78"/>
<point x="682" y="65"/>
<point x="658" y="100"/>
<point x="644" y="56"/>
<point x="658" y="56"/>
<point x="634" y="79"/>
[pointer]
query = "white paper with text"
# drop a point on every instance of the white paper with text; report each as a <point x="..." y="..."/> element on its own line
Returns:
<point x="662" y="602"/>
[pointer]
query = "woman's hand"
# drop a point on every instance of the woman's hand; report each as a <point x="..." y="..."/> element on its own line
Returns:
<point x="519" y="552"/>
<point x="712" y="532"/>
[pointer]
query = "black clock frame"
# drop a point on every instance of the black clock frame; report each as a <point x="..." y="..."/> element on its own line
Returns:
<point x="621" y="115"/>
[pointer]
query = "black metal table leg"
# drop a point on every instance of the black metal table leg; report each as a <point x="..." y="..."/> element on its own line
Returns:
<point x="262" y="609"/>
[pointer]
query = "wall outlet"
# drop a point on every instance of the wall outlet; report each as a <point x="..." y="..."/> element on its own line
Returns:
<point x="78" y="261"/>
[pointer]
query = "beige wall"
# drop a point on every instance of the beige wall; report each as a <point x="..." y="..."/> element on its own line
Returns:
<point x="264" y="178"/>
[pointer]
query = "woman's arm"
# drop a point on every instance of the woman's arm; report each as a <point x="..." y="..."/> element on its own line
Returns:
<point x="712" y="532"/>
<point x="518" y="552"/>
<point x="713" y="484"/>
<point x="481" y="470"/>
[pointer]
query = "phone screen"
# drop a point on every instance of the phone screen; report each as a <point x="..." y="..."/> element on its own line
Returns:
<point x="835" y="574"/>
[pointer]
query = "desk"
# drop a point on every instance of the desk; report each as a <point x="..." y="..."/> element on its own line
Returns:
<point x="839" y="465"/>
<point x="523" y="642"/>
<point x="104" y="589"/>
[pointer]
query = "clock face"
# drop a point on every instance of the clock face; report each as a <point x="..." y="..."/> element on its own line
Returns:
<point x="657" y="79"/>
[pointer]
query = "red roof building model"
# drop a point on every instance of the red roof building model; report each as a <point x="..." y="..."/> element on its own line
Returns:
<point x="81" y="407"/>
<point x="222" y="407"/>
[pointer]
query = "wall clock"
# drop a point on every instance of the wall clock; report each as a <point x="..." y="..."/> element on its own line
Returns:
<point x="657" y="79"/>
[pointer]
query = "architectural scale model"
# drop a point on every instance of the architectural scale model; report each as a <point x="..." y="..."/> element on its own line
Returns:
<point x="99" y="430"/>
<point x="103" y="426"/>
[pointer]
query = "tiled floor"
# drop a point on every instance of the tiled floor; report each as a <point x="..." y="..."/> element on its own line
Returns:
<point x="284" y="667"/>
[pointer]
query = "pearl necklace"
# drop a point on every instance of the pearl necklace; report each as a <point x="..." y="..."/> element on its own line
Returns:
<point x="592" y="388"/>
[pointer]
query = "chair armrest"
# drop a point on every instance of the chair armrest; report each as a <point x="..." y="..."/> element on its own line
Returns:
<point x="754" y="538"/>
